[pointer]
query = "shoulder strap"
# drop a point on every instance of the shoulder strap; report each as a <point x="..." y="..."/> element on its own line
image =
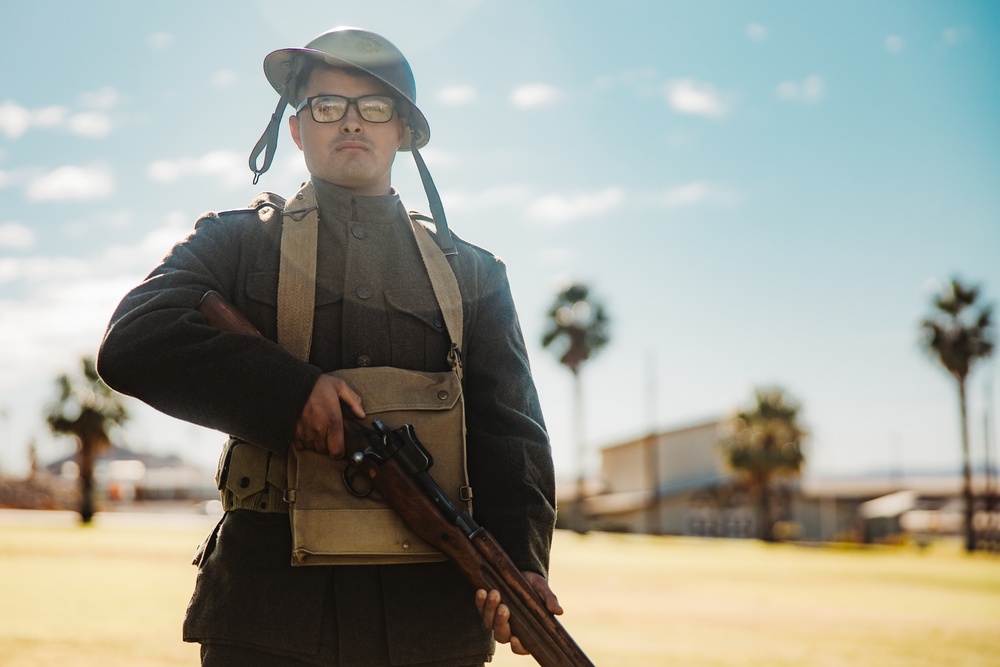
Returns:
<point x="445" y="286"/>
<point x="297" y="272"/>
<point x="297" y="278"/>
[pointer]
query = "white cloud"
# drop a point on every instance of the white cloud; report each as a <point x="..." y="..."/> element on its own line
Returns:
<point x="63" y="290"/>
<point x="436" y="157"/>
<point x="228" y="166"/>
<point x="695" y="193"/>
<point x="555" y="256"/>
<point x="91" y="124"/>
<point x="16" y="235"/>
<point x="693" y="97"/>
<point x="52" y="116"/>
<point x="14" y="119"/>
<point x="72" y="182"/>
<point x="756" y="32"/>
<point x="500" y="196"/>
<point x="458" y="95"/>
<point x="810" y="90"/>
<point x="151" y="248"/>
<point x="159" y="40"/>
<point x="534" y="95"/>
<point x="955" y="35"/>
<point x="894" y="44"/>
<point x="558" y="208"/>
<point x="35" y="270"/>
<point x="643" y="81"/>
<point x="105" y="99"/>
<point x="224" y="78"/>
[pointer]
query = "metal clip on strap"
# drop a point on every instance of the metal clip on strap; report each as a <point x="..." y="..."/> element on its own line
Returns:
<point x="268" y="141"/>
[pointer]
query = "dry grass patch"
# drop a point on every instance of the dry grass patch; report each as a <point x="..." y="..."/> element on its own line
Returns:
<point x="116" y="596"/>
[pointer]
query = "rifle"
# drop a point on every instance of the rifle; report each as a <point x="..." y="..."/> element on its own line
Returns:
<point x="397" y="464"/>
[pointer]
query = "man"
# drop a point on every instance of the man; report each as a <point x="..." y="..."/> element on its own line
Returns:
<point x="354" y="102"/>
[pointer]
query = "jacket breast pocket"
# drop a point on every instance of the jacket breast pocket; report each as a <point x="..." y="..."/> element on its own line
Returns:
<point x="417" y="332"/>
<point x="261" y="290"/>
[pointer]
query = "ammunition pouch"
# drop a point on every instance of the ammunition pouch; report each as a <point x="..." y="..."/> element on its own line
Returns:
<point x="252" y="478"/>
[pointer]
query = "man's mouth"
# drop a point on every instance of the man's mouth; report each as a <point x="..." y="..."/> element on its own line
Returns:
<point x="351" y="146"/>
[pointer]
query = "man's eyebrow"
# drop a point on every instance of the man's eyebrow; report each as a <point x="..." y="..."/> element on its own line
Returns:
<point x="348" y="96"/>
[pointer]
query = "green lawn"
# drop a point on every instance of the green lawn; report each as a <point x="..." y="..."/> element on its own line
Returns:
<point x="109" y="596"/>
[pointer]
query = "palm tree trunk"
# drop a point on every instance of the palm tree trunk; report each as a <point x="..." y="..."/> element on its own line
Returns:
<point x="765" y="529"/>
<point x="580" y="520"/>
<point x="86" y="481"/>
<point x="970" y="534"/>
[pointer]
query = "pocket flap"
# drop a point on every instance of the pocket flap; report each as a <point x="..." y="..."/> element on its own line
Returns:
<point x="384" y="388"/>
<point x="247" y="469"/>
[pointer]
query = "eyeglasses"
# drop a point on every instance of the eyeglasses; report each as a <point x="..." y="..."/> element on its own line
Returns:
<point x="331" y="108"/>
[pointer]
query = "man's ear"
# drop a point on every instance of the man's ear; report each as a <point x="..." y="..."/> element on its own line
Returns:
<point x="404" y="127"/>
<point x="293" y="127"/>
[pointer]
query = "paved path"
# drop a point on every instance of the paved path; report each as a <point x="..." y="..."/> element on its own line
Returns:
<point x="127" y="520"/>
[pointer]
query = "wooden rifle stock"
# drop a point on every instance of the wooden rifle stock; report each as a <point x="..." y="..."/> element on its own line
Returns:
<point x="476" y="554"/>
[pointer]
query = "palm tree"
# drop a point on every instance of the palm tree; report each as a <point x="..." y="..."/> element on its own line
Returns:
<point x="764" y="443"/>
<point x="959" y="333"/>
<point x="86" y="409"/>
<point x="578" y="329"/>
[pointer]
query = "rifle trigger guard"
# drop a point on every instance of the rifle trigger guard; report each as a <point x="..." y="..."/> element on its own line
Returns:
<point x="353" y="472"/>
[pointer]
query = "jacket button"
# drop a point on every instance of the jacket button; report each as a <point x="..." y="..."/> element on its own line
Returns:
<point x="364" y="361"/>
<point x="443" y="395"/>
<point x="438" y="323"/>
<point x="364" y="291"/>
<point x="358" y="232"/>
<point x="244" y="482"/>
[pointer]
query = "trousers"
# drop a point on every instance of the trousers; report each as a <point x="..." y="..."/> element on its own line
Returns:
<point x="227" y="655"/>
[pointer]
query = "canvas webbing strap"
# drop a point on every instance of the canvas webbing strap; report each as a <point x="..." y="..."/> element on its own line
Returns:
<point x="297" y="272"/>
<point x="446" y="290"/>
<point x="297" y="278"/>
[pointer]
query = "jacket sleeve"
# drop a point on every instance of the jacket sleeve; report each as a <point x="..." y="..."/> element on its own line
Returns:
<point x="510" y="460"/>
<point x="159" y="349"/>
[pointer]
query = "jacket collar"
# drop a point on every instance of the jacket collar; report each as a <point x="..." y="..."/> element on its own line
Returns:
<point x="337" y="202"/>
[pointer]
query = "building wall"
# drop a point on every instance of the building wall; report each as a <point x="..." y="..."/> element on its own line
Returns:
<point x="679" y="456"/>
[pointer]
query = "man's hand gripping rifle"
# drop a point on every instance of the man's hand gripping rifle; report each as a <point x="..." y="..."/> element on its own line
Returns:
<point x="397" y="464"/>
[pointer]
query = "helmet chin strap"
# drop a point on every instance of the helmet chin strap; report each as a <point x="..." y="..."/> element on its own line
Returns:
<point x="434" y="200"/>
<point x="268" y="140"/>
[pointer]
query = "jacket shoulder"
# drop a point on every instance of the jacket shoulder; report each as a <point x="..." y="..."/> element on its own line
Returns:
<point x="480" y="253"/>
<point x="264" y="206"/>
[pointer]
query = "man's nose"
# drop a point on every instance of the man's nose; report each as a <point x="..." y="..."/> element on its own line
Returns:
<point x="352" y="121"/>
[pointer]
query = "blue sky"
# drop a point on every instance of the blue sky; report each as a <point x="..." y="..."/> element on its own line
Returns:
<point x="760" y="192"/>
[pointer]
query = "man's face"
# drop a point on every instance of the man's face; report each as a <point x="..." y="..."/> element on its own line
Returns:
<point x="351" y="152"/>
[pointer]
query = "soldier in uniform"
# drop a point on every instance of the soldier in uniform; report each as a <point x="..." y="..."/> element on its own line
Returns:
<point x="354" y="104"/>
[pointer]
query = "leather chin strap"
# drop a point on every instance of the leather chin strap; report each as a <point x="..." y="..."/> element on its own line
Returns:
<point x="269" y="140"/>
<point x="434" y="201"/>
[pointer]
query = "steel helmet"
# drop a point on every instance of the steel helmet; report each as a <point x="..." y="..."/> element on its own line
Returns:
<point x="356" y="49"/>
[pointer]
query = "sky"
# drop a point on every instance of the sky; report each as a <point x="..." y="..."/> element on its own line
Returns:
<point x="760" y="193"/>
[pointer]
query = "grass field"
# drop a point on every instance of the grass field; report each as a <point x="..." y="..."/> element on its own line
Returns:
<point x="115" y="596"/>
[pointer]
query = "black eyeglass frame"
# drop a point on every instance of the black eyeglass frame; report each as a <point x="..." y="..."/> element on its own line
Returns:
<point x="350" y="100"/>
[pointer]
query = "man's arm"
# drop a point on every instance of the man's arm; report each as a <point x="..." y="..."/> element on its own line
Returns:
<point x="159" y="348"/>
<point x="510" y="460"/>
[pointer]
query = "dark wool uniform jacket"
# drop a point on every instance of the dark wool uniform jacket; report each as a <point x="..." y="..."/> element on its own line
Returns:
<point x="374" y="307"/>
